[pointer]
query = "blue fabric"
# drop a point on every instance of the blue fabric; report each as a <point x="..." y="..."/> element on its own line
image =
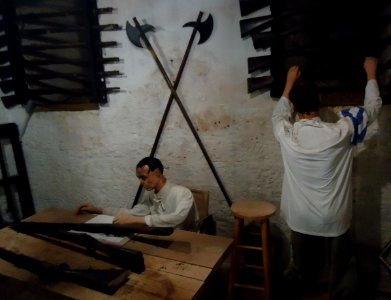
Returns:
<point x="360" y="123"/>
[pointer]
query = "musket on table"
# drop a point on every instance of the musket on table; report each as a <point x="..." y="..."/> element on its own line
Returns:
<point x="114" y="229"/>
<point x="122" y="257"/>
<point x="107" y="281"/>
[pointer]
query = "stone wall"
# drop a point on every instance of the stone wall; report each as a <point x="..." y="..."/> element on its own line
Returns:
<point x="75" y="157"/>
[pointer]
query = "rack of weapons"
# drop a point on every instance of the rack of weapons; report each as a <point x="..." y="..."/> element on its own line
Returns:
<point x="259" y="29"/>
<point x="107" y="281"/>
<point x="14" y="180"/>
<point x="327" y="39"/>
<point x="51" y="52"/>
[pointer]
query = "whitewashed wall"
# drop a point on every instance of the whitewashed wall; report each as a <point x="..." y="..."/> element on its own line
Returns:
<point x="74" y="157"/>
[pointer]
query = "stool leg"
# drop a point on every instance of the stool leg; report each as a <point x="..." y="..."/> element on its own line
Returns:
<point x="266" y="257"/>
<point x="235" y="257"/>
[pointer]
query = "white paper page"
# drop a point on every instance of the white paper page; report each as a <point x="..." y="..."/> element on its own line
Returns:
<point x="111" y="239"/>
<point x="101" y="219"/>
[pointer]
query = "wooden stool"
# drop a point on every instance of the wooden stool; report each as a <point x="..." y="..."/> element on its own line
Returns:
<point x="251" y="210"/>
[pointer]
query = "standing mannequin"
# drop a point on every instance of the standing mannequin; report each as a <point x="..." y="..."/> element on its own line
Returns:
<point x="317" y="191"/>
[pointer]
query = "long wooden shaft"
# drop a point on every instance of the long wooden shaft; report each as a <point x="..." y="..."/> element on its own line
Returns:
<point x="183" y="110"/>
<point x="170" y="100"/>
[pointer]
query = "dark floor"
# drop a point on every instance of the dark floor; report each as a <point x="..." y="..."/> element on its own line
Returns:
<point x="218" y="287"/>
<point x="383" y="291"/>
<point x="374" y="280"/>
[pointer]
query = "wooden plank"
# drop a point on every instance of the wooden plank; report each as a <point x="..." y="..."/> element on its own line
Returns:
<point x="59" y="215"/>
<point x="67" y="289"/>
<point x="151" y="284"/>
<point x="163" y="278"/>
<point x="176" y="267"/>
<point x="188" y="247"/>
<point x="184" y="246"/>
<point x="14" y="289"/>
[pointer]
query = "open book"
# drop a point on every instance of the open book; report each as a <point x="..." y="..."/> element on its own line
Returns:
<point x="105" y="238"/>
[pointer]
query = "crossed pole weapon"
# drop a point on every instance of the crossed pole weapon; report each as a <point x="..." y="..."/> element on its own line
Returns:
<point x="205" y="29"/>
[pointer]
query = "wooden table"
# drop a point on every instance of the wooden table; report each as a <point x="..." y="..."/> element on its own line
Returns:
<point x="177" y="266"/>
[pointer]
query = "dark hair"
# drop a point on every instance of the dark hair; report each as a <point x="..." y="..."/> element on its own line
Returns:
<point x="305" y="96"/>
<point x="152" y="162"/>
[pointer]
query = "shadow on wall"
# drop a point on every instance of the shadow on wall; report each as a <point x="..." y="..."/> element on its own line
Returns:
<point x="371" y="173"/>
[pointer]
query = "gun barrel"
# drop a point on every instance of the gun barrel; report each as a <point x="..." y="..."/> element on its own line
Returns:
<point x="259" y="63"/>
<point x="257" y="24"/>
<point x="258" y="83"/>
<point x="115" y="229"/>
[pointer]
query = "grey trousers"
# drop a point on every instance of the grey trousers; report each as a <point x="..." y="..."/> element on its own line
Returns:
<point x="324" y="264"/>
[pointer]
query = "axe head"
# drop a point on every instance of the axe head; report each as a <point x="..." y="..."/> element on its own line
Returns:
<point x="205" y="28"/>
<point x="134" y="34"/>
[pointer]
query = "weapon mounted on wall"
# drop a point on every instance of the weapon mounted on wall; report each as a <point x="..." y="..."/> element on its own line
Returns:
<point x="137" y="32"/>
<point x="249" y="6"/>
<point x="259" y="63"/>
<point x="258" y="83"/>
<point x="327" y="39"/>
<point x="114" y="229"/>
<point x="37" y="34"/>
<point x="249" y="26"/>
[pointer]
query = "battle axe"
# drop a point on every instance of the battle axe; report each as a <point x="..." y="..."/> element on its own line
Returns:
<point x="205" y="29"/>
<point x="179" y="102"/>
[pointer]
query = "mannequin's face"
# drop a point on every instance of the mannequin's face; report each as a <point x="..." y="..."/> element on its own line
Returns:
<point x="149" y="180"/>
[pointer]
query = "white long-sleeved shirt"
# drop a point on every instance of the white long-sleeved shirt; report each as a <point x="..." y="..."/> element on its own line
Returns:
<point x="172" y="206"/>
<point x="318" y="157"/>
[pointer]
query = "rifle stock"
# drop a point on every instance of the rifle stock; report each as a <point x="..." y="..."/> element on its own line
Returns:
<point x="251" y="25"/>
<point x="258" y="83"/>
<point x="249" y="6"/>
<point x="259" y="63"/>
<point x="265" y="39"/>
<point x="106" y="281"/>
<point x="262" y="39"/>
<point x="115" y="229"/>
